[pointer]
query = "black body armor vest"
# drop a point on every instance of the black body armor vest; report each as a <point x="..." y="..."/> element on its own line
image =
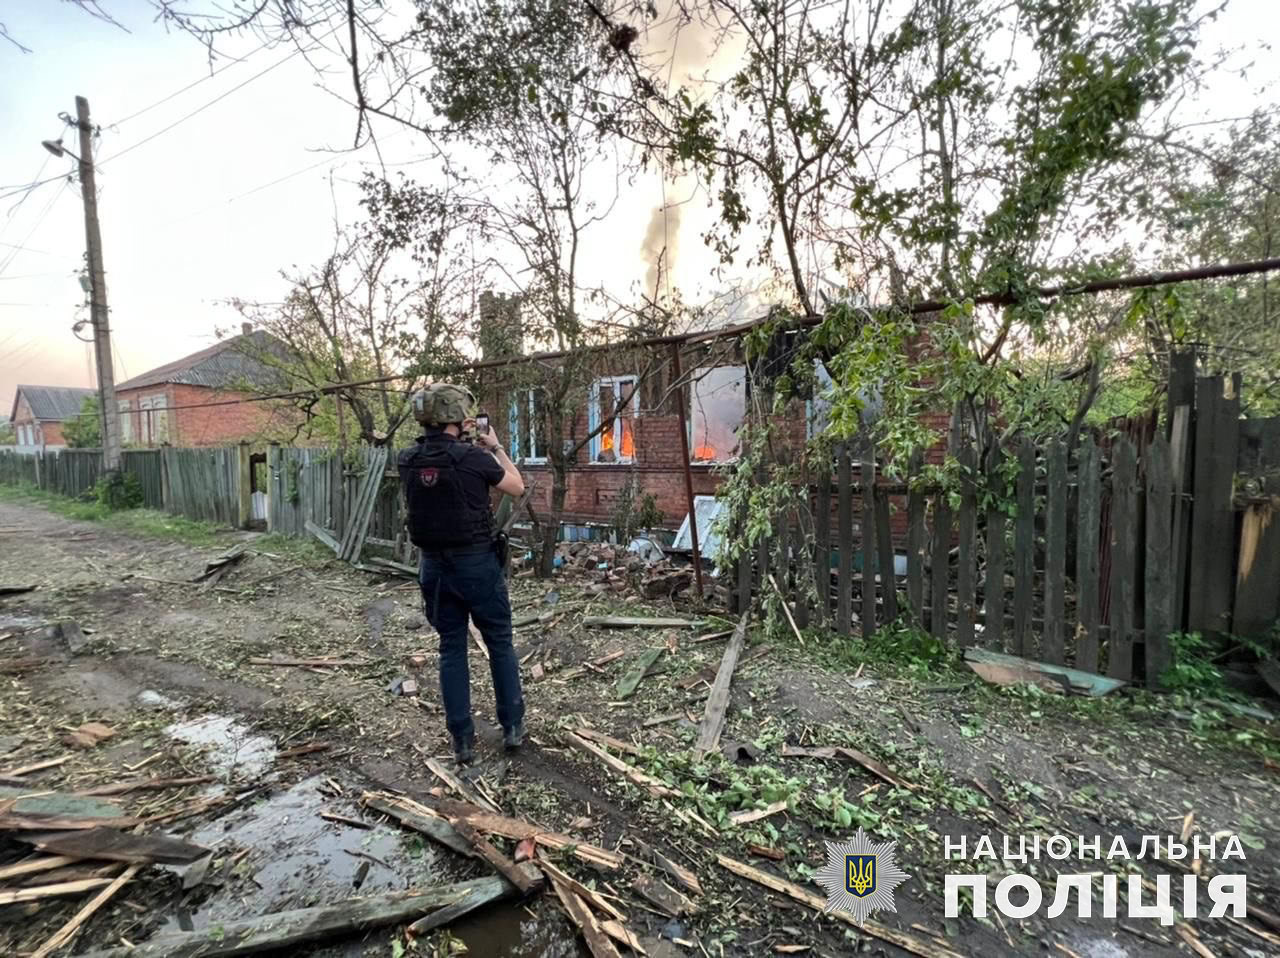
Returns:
<point x="441" y="516"/>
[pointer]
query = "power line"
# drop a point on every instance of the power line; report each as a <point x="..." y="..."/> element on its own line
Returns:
<point x="200" y="109"/>
<point x="222" y="96"/>
<point x="33" y="186"/>
<point x="4" y="264"/>
<point x="189" y="86"/>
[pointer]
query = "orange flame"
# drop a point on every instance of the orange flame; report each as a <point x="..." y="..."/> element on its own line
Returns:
<point x="704" y="452"/>
<point x="606" y="441"/>
<point x="628" y="443"/>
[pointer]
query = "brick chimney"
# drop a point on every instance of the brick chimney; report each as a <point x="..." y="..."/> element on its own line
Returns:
<point x="501" y="331"/>
<point x="246" y="328"/>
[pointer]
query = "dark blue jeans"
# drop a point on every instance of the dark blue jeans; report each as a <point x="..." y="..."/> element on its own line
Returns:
<point x="455" y="587"/>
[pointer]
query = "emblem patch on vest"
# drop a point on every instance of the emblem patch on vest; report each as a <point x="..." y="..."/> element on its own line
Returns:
<point x="429" y="476"/>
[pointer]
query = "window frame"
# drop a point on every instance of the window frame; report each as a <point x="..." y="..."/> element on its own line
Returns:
<point x="594" y="413"/>
<point x="513" y="427"/>
<point x="699" y="374"/>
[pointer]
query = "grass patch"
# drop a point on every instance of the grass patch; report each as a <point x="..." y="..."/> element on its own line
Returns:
<point x="140" y="522"/>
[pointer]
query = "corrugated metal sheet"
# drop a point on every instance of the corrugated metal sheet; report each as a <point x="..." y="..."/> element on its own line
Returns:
<point x="224" y="365"/>
<point x="54" y="403"/>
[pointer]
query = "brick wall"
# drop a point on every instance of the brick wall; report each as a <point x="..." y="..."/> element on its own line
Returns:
<point x="192" y="419"/>
<point x="52" y="433"/>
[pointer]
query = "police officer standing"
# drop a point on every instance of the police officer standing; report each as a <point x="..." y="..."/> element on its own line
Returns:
<point x="446" y="483"/>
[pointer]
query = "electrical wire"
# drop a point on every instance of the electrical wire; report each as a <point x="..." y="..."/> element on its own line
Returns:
<point x="219" y="98"/>
<point x="5" y="263"/>
<point x="33" y="186"/>
<point x="189" y="86"/>
<point x="198" y="110"/>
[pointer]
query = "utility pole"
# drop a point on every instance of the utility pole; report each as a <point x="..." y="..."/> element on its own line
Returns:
<point x="98" y="294"/>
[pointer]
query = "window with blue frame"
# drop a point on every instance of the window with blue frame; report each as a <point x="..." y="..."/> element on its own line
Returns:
<point x="613" y="398"/>
<point x="526" y="426"/>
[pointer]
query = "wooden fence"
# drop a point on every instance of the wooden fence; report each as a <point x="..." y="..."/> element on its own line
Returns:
<point x="1107" y="553"/>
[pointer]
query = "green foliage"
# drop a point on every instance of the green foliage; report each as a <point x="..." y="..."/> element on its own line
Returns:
<point x="636" y="510"/>
<point x="85" y="430"/>
<point x="142" y="522"/>
<point x="1192" y="669"/>
<point x="119" y="490"/>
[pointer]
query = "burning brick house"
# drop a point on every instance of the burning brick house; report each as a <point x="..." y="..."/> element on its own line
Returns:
<point x="636" y="406"/>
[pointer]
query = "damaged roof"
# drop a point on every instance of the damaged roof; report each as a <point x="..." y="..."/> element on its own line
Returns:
<point x="229" y="364"/>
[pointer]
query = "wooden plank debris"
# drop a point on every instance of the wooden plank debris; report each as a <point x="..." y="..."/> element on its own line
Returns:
<point x="582" y="891"/>
<point x="468" y="793"/>
<point x="597" y="941"/>
<point x="665" y="898"/>
<point x="626" y="622"/>
<point x="495" y="889"/>
<point x="281" y="930"/>
<point x="494" y="824"/>
<point x="215" y="569"/>
<point x="654" y="786"/>
<point x="324" y="535"/>
<point x="478" y="639"/>
<point x="308" y="749"/>
<point x="344" y="820"/>
<point x="21" y="664"/>
<point x="362" y="508"/>
<point x="908" y="943"/>
<point x="48" y="863"/>
<point x="618" y="932"/>
<point x="503" y="865"/>
<point x="617" y="744"/>
<point x="628" y="683"/>
<point x="111" y="844"/>
<point x="17" y="589"/>
<point x="764" y="851"/>
<point x="311" y="663"/>
<point x="718" y="701"/>
<point x="755" y="814"/>
<point x="35" y="767"/>
<point x="786" y="608"/>
<point x="419" y="818"/>
<point x="57" y="890"/>
<point x="67" y="931"/>
<point x="876" y="768"/>
<point x="148" y="784"/>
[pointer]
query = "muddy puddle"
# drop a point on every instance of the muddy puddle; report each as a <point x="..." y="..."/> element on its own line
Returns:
<point x="278" y="853"/>
<point x="233" y="751"/>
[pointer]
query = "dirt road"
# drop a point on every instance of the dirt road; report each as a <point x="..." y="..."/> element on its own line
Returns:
<point x="167" y="665"/>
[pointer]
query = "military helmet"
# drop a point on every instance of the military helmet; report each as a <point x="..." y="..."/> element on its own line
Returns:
<point x="442" y="403"/>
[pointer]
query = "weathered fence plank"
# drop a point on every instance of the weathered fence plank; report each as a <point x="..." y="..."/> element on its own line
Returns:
<point x="1024" y="549"/>
<point x="867" y="475"/>
<point x="1212" y="516"/>
<point x="940" y="565"/>
<point x="884" y="546"/>
<point x="1089" y="507"/>
<point x="822" y="541"/>
<point x="1055" y="557"/>
<point x="1158" y="619"/>
<point x="966" y="570"/>
<point x="844" y="577"/>
<point x="915" y="544"/>
<point x="993" y="582"/>
<point x="1124" y="536"/>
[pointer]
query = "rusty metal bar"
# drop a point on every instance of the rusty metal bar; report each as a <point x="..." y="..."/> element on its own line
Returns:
<point x="688" y="471"/>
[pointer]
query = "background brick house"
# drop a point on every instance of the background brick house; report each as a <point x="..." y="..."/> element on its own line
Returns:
<point x="39" y="412"/>
<point x="166" y="404"/>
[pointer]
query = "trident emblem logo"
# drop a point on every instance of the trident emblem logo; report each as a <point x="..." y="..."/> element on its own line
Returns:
<point x="861" y="877"/>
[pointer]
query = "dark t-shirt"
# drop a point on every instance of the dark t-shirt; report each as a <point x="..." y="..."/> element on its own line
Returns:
<point x="477" y="470"/>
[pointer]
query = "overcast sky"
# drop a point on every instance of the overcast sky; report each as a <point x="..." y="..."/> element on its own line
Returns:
<point x="218" y="205"/>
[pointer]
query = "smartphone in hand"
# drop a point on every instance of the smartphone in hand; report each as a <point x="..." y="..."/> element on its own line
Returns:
<point x="482" y="423"/>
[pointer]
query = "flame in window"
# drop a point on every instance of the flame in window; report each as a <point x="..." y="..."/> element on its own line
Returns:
<point x="628" y="443"/>
<point x="606" y="441"/>
<point x="704" y="453"/>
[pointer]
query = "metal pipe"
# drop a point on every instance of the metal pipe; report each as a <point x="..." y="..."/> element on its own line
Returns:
<point x="688" y="470"/>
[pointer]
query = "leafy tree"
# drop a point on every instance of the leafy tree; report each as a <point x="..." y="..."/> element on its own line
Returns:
<point x="389" y="307"/>
<point x="85" y="430"/>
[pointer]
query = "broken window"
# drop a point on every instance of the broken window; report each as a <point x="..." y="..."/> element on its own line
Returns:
<point x="613" y="399"/>
<point x="718" y="401"/>
<point x="526" y="426"/>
